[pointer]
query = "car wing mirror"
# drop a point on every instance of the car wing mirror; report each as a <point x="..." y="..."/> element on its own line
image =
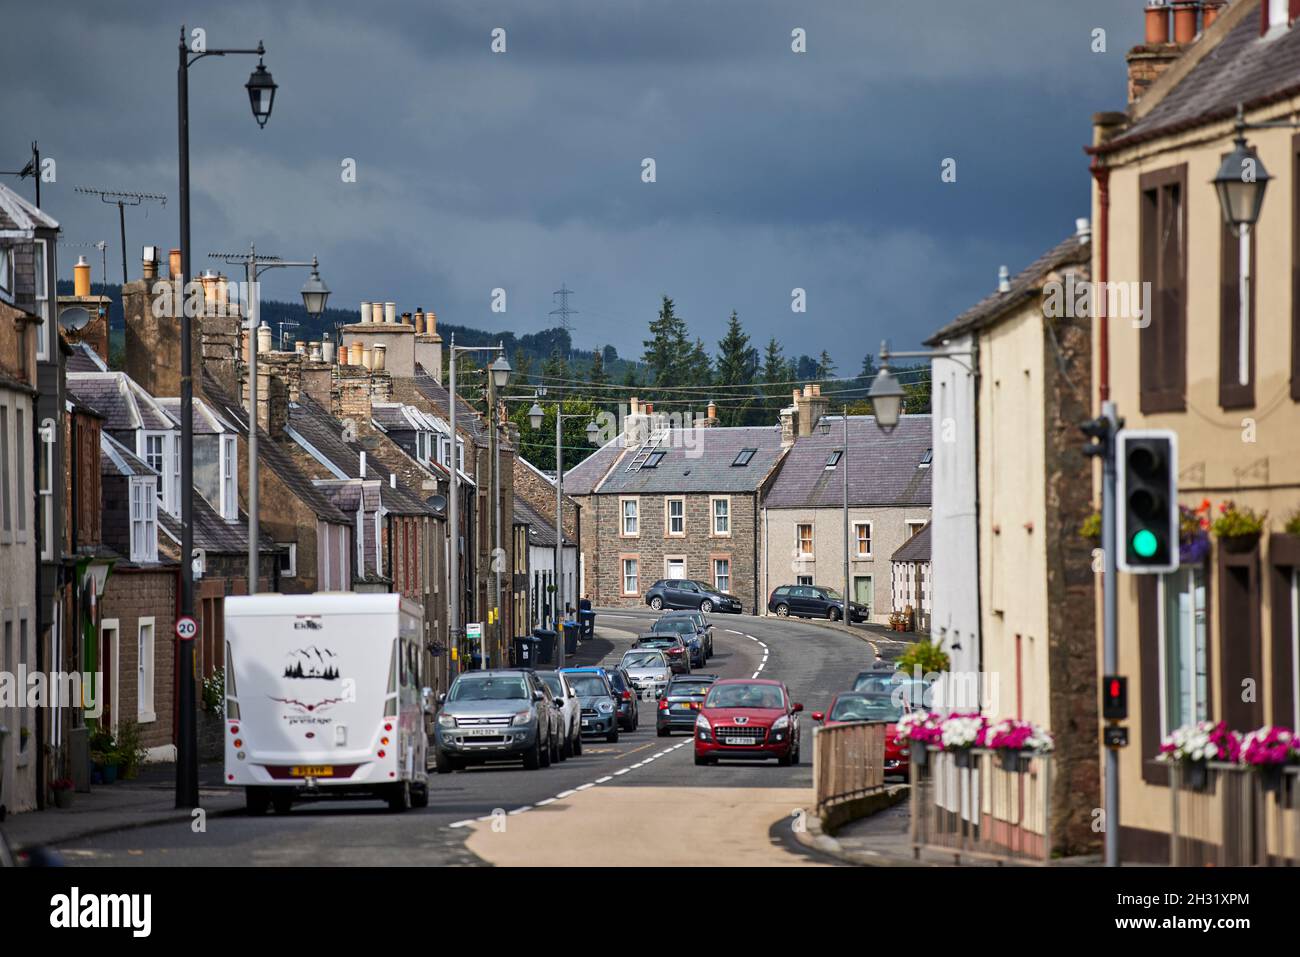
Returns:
<point x="538" y="695"/>
<point x="797" y="707"/>
<point x="442" y="697"/>
<point x="817" y="716"/>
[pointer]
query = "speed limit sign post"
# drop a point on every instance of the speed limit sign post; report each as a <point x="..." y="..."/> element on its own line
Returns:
<point x="186" y="628"/>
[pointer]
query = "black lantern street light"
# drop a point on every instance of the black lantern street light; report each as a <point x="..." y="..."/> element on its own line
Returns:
<point x="261" y="92"/>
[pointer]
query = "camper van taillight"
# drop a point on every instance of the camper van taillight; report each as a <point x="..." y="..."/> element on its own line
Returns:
<point x="234" y="729"/>
<point x="383" y="741"/>
<point x="381" y="752"/>
<point x="239" y="743"/>
<point x="388" y="726"/>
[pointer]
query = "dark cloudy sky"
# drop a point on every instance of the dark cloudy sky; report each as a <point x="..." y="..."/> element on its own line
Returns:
<point x="522" y="170"/>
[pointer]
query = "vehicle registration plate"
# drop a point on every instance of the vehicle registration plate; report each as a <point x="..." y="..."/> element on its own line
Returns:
<point x="737" y="741"/>
<point x="482" y="732"/>
<point x="312" y="771"/>
<point x="585" y="722"/>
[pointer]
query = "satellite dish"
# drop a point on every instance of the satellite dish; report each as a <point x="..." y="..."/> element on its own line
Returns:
<point x="74" y="318"/>
<point x="437" y="502"/>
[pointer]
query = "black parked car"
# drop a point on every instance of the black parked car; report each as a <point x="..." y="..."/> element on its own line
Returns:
<point x="629" y="715"/>
<point x="703" y="625"/>
<point x="680" y="703"/>
<point x="813" y="601"/>
<point x="684" y="593"/>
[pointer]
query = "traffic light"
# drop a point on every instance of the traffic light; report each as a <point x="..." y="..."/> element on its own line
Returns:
<point x="1114" y="697"/>
<point x="1147" y="500"/>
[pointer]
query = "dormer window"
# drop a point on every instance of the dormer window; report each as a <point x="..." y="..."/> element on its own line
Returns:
<point x="144" y="519"/>
<point x="1279" y="17"/>
<point x="229" y="481"/>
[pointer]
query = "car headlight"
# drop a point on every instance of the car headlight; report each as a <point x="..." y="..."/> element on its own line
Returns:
<point x="446" y="721"/>
<point x="523" y="717"/>
<point x="781" y="723"/>
<point x="702" y="725"/>
<point x="605" y="707"/>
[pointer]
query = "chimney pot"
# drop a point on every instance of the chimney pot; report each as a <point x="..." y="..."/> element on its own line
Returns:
<point x="1083" y="229"/>
<point x="1004" y="279"/>
<point x="376" y="312"/>
<point x="390" y="312"/>
<point x="1210" y="10"/>
<point x="377" y="358"/>
<point x="365" y="311"/>
<point x="363" y="464"/>
<point x="1185" y="20"/>
<point x="81" y="277"/>
<point x="355" y="358"/>
<point x="174" y="263"/>
<point x="1157" y="25"/>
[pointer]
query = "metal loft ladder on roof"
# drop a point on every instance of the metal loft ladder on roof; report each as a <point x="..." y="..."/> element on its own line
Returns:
<point x="650" y="446"/>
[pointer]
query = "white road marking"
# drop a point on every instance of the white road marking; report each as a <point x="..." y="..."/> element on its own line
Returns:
<point x="466" y="823"/>
<point x="563" y="794"/>
<point x="604" y="779"/>
<point x="521" y="810"/>
<point x="583" y="787"/>
<point x="621" y="771"/>
<point x="546" y="802"/>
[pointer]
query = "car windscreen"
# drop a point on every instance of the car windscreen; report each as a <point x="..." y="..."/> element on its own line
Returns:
<point x="588" y="685"/>
<point x="489" y="688"/>
<point x="866" y="708"/>
<point x="644" y="659"/>
<point x="745" y="696"/>
<point x="554" y="683"/>
<point x="680" y="626"/>
<point x="832" y="594"/>
<point x="616" y="680"/>
<point x="696" y="688"/>
<point x="657" y="642"/>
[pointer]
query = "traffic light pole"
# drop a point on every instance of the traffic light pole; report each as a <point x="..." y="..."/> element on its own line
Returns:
<point x="1110" y="619"/>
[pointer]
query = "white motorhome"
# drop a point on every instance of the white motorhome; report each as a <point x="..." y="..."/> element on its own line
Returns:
<point x="324" y="697"/>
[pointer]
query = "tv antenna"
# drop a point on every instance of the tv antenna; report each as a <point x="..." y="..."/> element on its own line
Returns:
<point x="122" y="200"/>
<point x="32" y="169"/>
<point x="101" y="245"/>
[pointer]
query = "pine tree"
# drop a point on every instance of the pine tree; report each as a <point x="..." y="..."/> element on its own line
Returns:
<point x="736" y="366"/>
<point x="554" y="371"/>
<point x="598" y="378"/>
<point x="666" y="350"/>
<point x="825" y="366"/>
<point x="776" y="372"/>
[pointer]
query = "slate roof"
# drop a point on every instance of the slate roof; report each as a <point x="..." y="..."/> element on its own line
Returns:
<point x="436" y="393"/>
<point x="583" y="478"/>
<point x="1241" y="68"/>
<point x="204" y="420"/>
<point x="541" y="528"/>
<point x="322" y="431"/>
<point x="272" y="456"/>
<point x="1025" y="285"/>
<point x="883" y="469"/>
<point x="915" y="549"/>
<point x="123" y="402"/>
<point x="212" y="533"/>
<point x="116" y="459"/>
<point x="702" y="466"/>
<point x="18" y="216"/>
<point x="85" y="359"/>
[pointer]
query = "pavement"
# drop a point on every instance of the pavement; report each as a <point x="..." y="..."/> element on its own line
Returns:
<point x="640" y="800"/>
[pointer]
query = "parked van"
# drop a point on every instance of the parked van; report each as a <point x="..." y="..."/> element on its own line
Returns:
<point x="325" y="698"/>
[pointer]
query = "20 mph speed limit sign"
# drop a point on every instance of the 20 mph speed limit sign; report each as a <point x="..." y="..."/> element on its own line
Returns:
<point x="186" y="628"/>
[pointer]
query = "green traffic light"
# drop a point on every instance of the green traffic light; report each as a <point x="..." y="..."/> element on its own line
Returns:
<point x="1145" y="543"/>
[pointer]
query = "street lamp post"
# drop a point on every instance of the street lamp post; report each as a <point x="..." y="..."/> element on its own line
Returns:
<point x="261" y="92"/>
<point x="535" y="416"/>
<point x="314" y="296"/>
<point x="844" y="476"/>
<point x="500" y="375"/>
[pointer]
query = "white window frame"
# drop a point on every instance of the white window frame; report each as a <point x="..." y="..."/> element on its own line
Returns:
<point x="1162" y="624"/>
<point x="624" y="517"/>
<point x="803" y="581"/>
<point x="292" y="551"/>
<point x="142" y="451"/>
<point x="145" y="649"/>
<point x="107" y="627"/>
<point x="229" y="463"/>
<point x="713" y="516"/>
<point x="668" y="516"/>
<point x="42" y="292"/>
<point x="718" y="579"/>
<point x="634" y="577"/>
<point x="47" y="492"/>
<point x="914" y="525"/>
<point x="6" y="485"/>
<point x="143" y="511"/>
<point x="24" y="494"/>
<point x="857" y="540"/>
<point x="672" y="559"/>
<point x="460" y="453"/>
<point x="798" y="539"/>
<point x="7" y="274"/>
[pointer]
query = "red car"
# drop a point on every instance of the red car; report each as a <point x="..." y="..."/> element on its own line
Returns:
<point x="848" y="706"/>
<point x="748" y="718"/>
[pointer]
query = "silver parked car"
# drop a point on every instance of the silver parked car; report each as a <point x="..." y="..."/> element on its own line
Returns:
<point x="649" y="671"/>
<point x="570" y="711"/>
<point x="494" y="715"/>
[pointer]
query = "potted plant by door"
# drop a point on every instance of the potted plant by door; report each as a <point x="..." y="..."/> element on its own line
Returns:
<point x="1193" y="746"/>
<point x="1238" y="527"/>
<point x="62" y="791"/>
<point x="1016" y="742"/>
<point x="1269" y="751"/>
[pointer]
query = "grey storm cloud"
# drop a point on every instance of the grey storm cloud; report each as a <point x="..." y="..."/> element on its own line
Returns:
<point x="521" y="170"/>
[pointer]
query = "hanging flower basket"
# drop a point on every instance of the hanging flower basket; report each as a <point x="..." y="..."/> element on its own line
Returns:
<point x="1238" y="527"/>
<point x="1193" y="746"/>
<point x="1269" y="751"/>
<point x="1194" y="533"/>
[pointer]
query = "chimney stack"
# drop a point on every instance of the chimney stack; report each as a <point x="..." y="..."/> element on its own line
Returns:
<point x="1147" y="61"/>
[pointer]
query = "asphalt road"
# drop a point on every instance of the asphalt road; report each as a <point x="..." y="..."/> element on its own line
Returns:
<point x="813" y="660"/>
